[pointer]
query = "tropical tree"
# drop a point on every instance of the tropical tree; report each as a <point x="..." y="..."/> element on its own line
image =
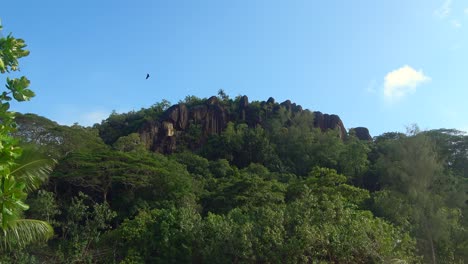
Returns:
<point x="25" y="176"/>
<point x="417" y="195"/>
<point x="16" y="178"/>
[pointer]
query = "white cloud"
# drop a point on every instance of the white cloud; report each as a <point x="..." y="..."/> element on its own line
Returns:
<point x="444" y="10"/>
<point x="456" y="23"/>
<point x="68" y="115"/>
<point x="402" y="81"/>
<point x="89" y="119"/>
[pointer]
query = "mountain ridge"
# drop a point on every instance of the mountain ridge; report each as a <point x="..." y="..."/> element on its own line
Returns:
<point x="213" y="114"/>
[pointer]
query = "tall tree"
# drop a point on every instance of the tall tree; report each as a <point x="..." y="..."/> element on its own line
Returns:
<point x="413" y="180"/>
<point x="16" y="178"/>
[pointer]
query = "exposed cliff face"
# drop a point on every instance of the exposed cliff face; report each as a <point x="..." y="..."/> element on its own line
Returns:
<point x="362" y="133"/>
<point x="149" y="133"/>
<point x="161" y="136"/>
<point x="212" y="117"/>
<point x="178" y="116"/>
<point x="326" y="121"/>
<point x="243" y="107"/>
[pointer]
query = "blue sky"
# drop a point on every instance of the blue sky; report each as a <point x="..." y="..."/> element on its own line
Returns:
<point x="379" y="64"/>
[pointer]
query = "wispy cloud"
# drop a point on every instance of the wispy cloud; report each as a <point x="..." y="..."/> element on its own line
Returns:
<point x="91" y="118"/>
<point x="456" y="23"/>
<point x="444" y="10"/>
<point x="71" y="114"/>
<point x="403" y="81"/>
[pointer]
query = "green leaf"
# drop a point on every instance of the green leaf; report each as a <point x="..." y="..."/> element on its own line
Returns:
<point x="4" y="107"/>
<point x="23" y="232"/>
<point x="2" y="66"/>
<point x="22" y="205"/>
<point x="4" y="96"/>
<point x="19" y="88"/>
<point x="7" y="211"/>
<point x="33" y="170"/>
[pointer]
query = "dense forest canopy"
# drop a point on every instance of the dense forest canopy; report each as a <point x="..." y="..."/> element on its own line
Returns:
<point x="245" y="182"/>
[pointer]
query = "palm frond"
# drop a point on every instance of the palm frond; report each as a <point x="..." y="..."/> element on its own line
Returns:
<point x="32" y="170"/>
<point x="24" y="232"/>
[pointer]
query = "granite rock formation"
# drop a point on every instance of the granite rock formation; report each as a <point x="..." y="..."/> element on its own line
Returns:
<point x="326" y="121"/>
<point x="212" y="117"/>
<point x="361" y="133"/>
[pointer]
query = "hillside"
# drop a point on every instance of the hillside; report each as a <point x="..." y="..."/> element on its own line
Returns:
<point x="201" y="118"/>
<point x="210" y="180"/>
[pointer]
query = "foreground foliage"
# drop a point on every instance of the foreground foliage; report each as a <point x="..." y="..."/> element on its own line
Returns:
<point x="19" y="174"/>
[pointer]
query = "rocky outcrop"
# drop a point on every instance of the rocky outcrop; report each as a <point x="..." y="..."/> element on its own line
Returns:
<point x="149" y="134"/>
<point x="292" y="107"/>
<point x="161" y="135"/>
<point x="178" y="116"/>
<point x="361" y="133"/>
<point x="287" y="104"/>
<point x="326" y="121"/>
<point x="212" y="118"/>
<point x="216" y="117"/>
<point x="243" y="107"/>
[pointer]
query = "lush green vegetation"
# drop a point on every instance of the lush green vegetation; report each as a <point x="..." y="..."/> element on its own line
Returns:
<point x="280" y="191"/>
<point x="273" y="194"/>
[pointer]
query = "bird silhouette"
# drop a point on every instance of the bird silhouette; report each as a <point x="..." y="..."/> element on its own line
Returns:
<point x="147" y="76"/>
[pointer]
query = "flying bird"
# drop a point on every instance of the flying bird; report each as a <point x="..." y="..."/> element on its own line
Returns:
<point x="147" y="76"/>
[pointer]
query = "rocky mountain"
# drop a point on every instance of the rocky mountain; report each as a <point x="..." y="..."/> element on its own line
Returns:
<point x="213" y="115"/>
